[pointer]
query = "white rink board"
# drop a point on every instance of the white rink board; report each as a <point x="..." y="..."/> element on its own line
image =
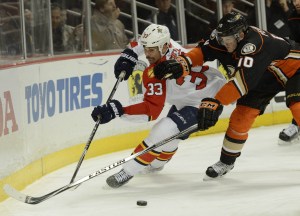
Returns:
<point x="38" y="116"/>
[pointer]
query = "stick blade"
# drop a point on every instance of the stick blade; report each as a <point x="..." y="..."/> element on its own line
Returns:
<point x="12" y="192"/>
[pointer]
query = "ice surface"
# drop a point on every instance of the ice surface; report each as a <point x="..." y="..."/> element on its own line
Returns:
<point x="265" y="181"/>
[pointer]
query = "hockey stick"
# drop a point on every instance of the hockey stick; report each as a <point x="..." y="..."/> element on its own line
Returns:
<point x="12" y="192"/>
<point x="121" y="77"/>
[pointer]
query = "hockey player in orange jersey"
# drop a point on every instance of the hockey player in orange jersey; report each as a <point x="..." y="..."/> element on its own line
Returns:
<point x="183" y="93"/>
<point x="259" y="65"/>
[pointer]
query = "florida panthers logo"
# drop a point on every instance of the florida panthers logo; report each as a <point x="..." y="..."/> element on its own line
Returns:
<point x="135" y="81"/>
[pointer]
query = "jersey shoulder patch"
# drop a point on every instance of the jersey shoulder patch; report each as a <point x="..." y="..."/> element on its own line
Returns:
<point x="253" y="41"/>
<point x="248" y="48"/>
<point x="150" y="72"/>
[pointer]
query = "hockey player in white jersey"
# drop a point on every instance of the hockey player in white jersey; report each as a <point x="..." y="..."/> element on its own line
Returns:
<point x="183" y="94"/>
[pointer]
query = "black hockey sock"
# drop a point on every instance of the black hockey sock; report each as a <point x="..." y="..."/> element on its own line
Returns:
<point x="228" y="158"/>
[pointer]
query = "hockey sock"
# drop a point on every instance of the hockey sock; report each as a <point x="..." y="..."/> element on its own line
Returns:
<point x="237" y="133"/>
<point x="161" y="130"/>
<point x="163" y="158"/>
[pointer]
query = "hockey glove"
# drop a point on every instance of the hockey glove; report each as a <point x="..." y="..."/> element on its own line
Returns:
<point x="108" y="111"/>
<point x="209" y="112"/>
<point x="172" y="69"/>
<point x="126" y="62"/>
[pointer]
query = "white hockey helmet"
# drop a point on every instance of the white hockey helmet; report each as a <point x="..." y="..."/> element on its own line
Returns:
<point x="156" y="35"/>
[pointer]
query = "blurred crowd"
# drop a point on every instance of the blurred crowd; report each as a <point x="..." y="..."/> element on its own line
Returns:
<point x="112" y="27"/>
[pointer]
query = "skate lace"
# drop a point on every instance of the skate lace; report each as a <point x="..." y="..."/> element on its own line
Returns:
<point x="221" y="168"/>
<point x="291" y="130"/>
<point x="122" y="176"/>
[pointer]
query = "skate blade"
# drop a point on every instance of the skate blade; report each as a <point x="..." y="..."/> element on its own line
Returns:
<point x="147" y="171"/>
<point x="107" y="187"/>
<point x="287" y="143"/>
<point x="207" y="178"/>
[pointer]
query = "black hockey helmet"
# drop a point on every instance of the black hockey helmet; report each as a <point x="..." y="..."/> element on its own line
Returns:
<point x="231" y="24"/>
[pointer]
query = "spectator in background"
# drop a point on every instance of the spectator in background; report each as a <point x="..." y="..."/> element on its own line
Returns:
<point x="62" y="34"/>
<point x="294" y="21"/>
<point x="74" y="15"/>
<point x="142" y="13"/>
<point x="167" y="17"/>
<point x="107" y="31"/>
<point x="63" y="16"/>
<point x="227" y="6"/>
<point x="10" y="30"/>
<point x="29" y="31"/>
<point x="277" y="12"/>
<point x="197" y="21"/>
<point x="77" y="36"/>
<point x="250" y="11"/>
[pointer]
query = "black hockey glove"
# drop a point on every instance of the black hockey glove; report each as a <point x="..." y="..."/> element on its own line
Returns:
<point x="169" y="69"/>
<point x="126" y="62"/>
<point x="108" y="111"/>
<point x="209" y="112"/>
<point x="172" y="69"/>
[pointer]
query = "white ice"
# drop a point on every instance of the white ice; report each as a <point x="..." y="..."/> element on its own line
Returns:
<point x="265" y="181"/>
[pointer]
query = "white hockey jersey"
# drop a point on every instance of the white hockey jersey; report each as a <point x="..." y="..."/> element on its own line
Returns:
<point x="202" y="82"/>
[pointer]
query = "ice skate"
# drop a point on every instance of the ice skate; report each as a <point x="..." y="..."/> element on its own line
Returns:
<point x="289" y="135"/>
<point x="118" y="179"/>
<point x="150" y="169"/>
<point x="217" y="170"/>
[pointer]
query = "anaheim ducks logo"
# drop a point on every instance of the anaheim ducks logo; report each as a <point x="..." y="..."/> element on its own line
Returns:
<point x="248" y="48"/>
<point x="230" y="71"/>
<point x="235" y="18"/>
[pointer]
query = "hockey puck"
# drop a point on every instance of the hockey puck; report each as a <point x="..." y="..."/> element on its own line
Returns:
<point x="141" y="203"/>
